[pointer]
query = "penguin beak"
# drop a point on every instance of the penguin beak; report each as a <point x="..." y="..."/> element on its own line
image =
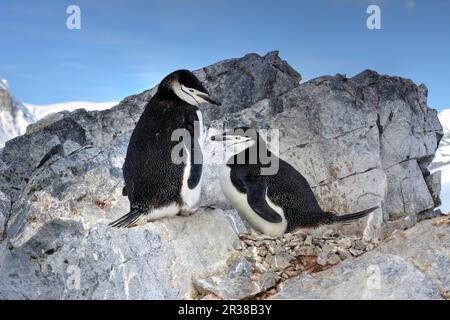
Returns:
<point x="208" y="98"/>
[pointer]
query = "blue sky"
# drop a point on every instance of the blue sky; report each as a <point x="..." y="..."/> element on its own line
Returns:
<point x="125" y="47"/>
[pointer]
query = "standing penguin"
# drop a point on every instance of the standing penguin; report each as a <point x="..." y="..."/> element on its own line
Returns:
<point x="157" y="185"/>
<point x="272" y="204"/>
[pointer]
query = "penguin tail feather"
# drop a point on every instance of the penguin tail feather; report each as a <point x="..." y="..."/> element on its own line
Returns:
<point x="128" y="220"/>
<point x="333" y="218"/>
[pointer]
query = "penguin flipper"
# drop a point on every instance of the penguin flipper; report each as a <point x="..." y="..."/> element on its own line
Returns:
<point x="127" y="220"/>
<point x="192" y="125"/>
<point x="256" y="198"/>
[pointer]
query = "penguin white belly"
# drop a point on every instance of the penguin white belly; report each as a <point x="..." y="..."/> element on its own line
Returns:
<point x="240" y="203"/>
<point x="164" y="212"/>
<point x="202" y="134"/>
<point x="191" y="197"/>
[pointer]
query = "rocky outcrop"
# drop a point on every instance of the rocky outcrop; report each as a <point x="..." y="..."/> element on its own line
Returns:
<point x="360" y="142"/>
<point x="412" y="264"/>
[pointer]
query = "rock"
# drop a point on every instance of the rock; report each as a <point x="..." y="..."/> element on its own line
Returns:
<point x="355" y="252"/>
<point x="5" y="206"/>
<point x="155" y="262"/>
<point x="343" y="254"/>
<point x="413" y="264"/>
<point x="333" y="259"/>
<point x="345" y="243"/>
<point x="305" y="251"/>
<point x="373" y="276"/>
<point x="427" y="247"/>
<point x="308" y="240"/>
<point x="359" y="245"/>
<point x="240" y="268"/>
<point x="281" y="261"/>
<point x="237" y="244"/>
<point x="46" y="121"/>
<point x="236" y="285"/>
<point x="322" y="259"/>
<point x="268" y="280"/>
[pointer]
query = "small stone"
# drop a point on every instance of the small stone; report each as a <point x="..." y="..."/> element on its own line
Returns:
<point x="237" y="245"/>
<point x="345" y="243"/>
<point x="246" y="253"/>
<point x="308" y="240"/>
<point x="262" y="251"/>
<point x="328" y="249"/>
<point x="248" y="242"/>
<point x="300" y="235"/>
<point x="359" y="245"/>
<point x="281" y="261"/>
<point x="328" y="234"/>
<point x="240" y="268"/>
<point x="296" y="242"/>
<point x="268" y="280"/>
<point x="305" y="251"/>
<point x="261" y="266"/>
<point x="288" y="237"/>
<point x="291" y="273"/>
<point x="322" y="259"/>
<point x="258" y="243"/>
<point x="355" y="252"/>
<point x="333" y="259"/>
<point x="343" y="254"/>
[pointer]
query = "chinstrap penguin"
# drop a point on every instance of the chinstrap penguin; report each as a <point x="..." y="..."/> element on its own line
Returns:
<point x="272" y="204"/>
<point x="156" y="185"/>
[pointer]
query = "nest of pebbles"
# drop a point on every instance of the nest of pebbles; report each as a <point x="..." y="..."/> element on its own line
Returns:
<point x="296" y="252"/>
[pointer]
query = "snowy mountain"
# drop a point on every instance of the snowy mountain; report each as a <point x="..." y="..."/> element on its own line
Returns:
<point x="40" y="111"/>
<point x="15" y="116"/>
<point x="441" y="160"/>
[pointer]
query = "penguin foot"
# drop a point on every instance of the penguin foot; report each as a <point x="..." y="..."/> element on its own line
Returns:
<point x="188" y="212"/>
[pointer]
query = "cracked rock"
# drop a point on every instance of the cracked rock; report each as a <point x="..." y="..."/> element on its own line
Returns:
<point x="359" y="142"/>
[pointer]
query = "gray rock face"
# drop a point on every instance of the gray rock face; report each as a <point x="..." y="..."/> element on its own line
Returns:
<point x="411" y="265"/>
<point x="64" y="261"/>
<point x="372" y="276"/>
<point x="360" y="142"/>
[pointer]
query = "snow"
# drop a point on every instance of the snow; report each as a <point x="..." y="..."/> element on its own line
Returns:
<point x="3" y="84"/>
<point x="442" y="158"/>
<point x="40" y="111"/>
<point x="12" y="126"/>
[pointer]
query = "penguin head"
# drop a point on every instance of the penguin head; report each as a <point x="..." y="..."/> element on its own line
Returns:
<point x="187" y="87"/>
<point x="239" y="139"/>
